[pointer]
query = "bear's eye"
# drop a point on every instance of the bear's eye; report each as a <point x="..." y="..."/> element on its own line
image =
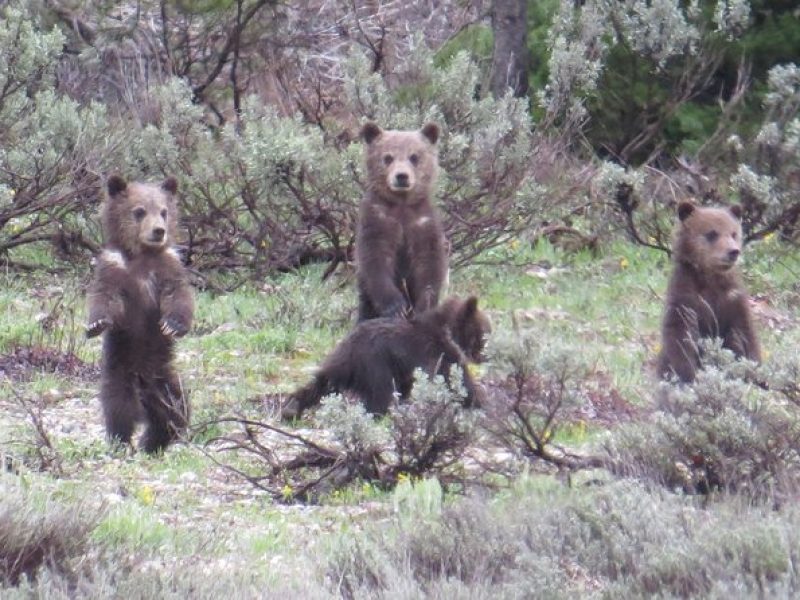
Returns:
<point x="712" y="236"/>
<point x="414" y="159"/>
<point x="139" y="213"/>
<point x="163" y="213"/>
<point x="387" y="159"/>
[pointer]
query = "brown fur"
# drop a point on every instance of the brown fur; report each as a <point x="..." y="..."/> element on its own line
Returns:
<point x="706" y="297"/>
<point x="140" y="300"/>
<point x="379" y="356"/>
<point x="400" y="243"/>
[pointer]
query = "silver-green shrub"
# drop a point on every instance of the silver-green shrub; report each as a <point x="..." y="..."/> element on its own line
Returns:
<point x="485" y="192"/>
<point x="543" y="390"/>
<point x="767" y="177"/>
<point x="735" y="428"/>
<point x="268" y="193"/>
<point x="271" y="192"/>
<point x="52" y="151"/>
<point x="620" y="540"/>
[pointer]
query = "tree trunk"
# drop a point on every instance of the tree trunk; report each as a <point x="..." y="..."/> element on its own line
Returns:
<point x="510" y="56"/>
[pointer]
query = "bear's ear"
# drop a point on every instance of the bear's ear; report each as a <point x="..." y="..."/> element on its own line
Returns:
<point x="685" y="208"/>
<point x="170" y="184"/>
<point x="431" y="131"/>
<point x="116" y="185"/>
<point x="470" y="307"/>
<point x="370" y="132"/>
<point x="736" y="210"/>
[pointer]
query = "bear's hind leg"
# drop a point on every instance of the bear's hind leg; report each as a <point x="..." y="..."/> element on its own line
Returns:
<point x="121" y="408"/>
<point x="375" y="385"/>
<point x="167" y="412"/>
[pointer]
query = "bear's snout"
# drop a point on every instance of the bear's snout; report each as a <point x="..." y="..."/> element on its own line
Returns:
<point x="733" y="255"/>
<point x="154" y="233"/>
<point x="402" y="180"/>
<point x="157" y="235"/>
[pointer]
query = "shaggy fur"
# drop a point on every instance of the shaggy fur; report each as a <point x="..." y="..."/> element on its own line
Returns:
<point x="705" y="297"/>
<point x="141" y="301"/>
<point x="379" y="356"/>
<point x="401" y="253"/>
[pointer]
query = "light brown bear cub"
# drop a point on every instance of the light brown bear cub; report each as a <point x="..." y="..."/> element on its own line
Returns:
<point x="141" y="301"/>
<point x="705" y="297"/>
<point x="377" y="359"/>
<point x="401" y="258"/>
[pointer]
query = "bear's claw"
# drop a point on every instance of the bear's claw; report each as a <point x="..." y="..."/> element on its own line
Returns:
<point x="97" y="327"/>
<point x="172" y="328"/>
<point x="397" y="310"/>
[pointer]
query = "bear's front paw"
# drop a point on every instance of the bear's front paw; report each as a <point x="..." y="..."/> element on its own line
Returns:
<point x="173" y="327"/>
<point x="97" y="327"/>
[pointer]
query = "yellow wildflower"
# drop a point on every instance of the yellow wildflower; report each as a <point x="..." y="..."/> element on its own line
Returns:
<point x="146" y="495"/>
<point x="287" y="492"/>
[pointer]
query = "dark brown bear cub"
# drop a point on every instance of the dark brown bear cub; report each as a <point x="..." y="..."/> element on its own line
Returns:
<point x="141" y="301"/>
<point x="379" y="356"/>
<point x="705" y="298"/>
<point x="400" y="245"/>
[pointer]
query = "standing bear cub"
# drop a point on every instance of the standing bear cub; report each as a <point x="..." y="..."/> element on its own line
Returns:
<point x="141" y="301"/>
<point x="705" y="297"/>
<point x="401" y="259"/>
<point x="379" y="356"/>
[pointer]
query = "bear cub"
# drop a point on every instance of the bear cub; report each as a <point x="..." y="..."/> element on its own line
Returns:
<point x="705" y="297"/>
<point x="401" y="256"/>
<point x="140" y="300"/>
<point x="379" y="356"/>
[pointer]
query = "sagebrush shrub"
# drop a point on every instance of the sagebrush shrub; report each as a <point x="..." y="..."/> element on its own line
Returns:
<point x="51" y="148"/>
<point x="544" y="540"/>
<point x="735" y="428"/>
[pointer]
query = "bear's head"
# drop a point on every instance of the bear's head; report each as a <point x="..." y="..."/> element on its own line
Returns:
<point x="140" y="217"/>
<point x="401" y="163"/>
<point x="469" y="326"/>
<point x="710" y="239"/>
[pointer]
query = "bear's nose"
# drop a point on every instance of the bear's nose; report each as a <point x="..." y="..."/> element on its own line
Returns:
<point x="733" y="255"/>
<point x="158" y="234"/>
<point x="401" y="179"/>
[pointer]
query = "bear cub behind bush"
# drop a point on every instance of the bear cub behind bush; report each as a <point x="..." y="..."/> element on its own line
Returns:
<point x="401" y="258"/>
<point x="705" y="297"/>
<point x="379" y="356"/>
<point x="140" y="300"/>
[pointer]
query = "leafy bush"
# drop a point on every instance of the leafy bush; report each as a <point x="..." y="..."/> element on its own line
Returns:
<point x="426" y="437"/>
<point x="267" y="194"/>
<point x="52" y="150"/>
<point x="543" y="389"/>
<point x="767" y="178"/>
<point x="263" y="191"/>
<point x="272" y="192"/>
<point x="622" y="71"/>
<point x="725" y="431"/>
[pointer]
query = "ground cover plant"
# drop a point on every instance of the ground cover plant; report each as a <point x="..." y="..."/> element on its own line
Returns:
<point x="156" y="518"/>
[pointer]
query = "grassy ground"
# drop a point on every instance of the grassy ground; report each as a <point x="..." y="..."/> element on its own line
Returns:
<point x="171" y="515"/>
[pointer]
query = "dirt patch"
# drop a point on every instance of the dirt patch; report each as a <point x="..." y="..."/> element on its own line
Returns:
<point x="22" y="363"/>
